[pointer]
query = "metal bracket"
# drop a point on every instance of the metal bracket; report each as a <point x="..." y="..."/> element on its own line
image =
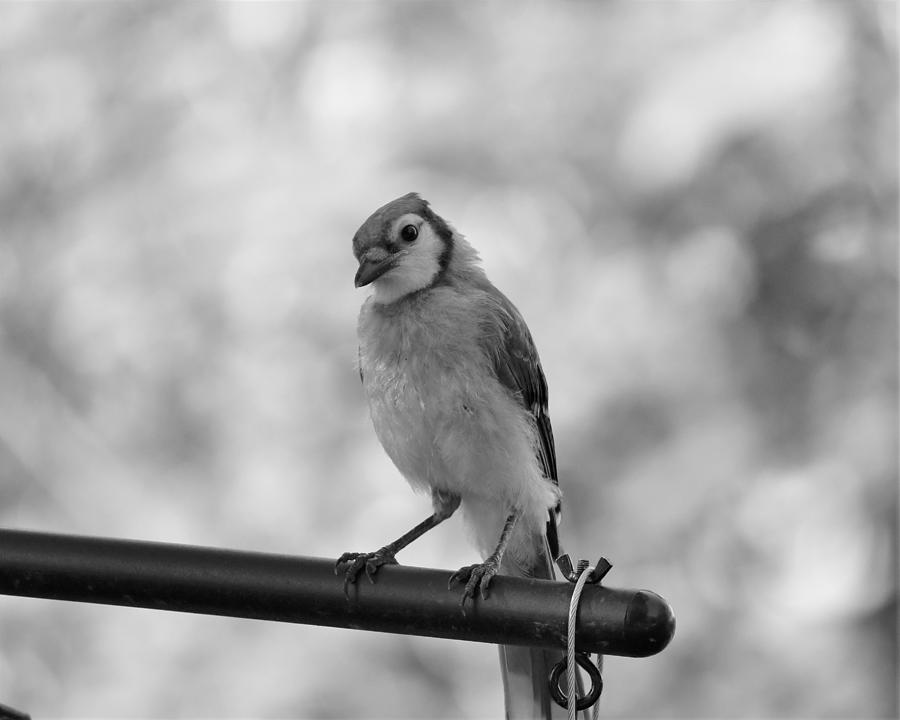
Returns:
<point x="582" y="702"/>
<point x="572" y="573"/>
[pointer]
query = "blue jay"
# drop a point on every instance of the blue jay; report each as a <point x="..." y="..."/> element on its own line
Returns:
<point x="459" y="402"/>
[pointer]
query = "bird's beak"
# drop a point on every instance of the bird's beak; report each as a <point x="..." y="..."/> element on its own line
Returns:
<point x="374" y="263"/>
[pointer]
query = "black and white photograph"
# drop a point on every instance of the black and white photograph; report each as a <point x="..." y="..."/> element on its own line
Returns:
<point x="414" y="359"/>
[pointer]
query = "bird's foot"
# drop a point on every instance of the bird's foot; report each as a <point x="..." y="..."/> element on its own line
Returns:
<point x="477" y="578"/>
<point x="352" y="564"/>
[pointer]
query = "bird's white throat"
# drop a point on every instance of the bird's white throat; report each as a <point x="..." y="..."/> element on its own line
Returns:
<point x="418" y="266"/>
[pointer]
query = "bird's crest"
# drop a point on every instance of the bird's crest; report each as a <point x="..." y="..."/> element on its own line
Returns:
<point x="375" y="230"/>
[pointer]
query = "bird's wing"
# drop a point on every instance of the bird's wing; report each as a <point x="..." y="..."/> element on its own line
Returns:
<point x="518" y="367"/>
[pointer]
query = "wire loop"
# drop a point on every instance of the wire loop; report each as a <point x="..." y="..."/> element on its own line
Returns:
<point x="580" y="575"/>
<point x="586" y="700"/>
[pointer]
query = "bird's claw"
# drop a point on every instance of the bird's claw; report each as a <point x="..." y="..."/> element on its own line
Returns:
<point x="357" y="562"/>
<point x="477" y="578"/>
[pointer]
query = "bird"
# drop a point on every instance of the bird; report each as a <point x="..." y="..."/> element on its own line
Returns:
<point x="459" y="402"/>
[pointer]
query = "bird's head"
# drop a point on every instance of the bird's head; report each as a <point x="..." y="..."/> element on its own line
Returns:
<point x="401" y="248"/>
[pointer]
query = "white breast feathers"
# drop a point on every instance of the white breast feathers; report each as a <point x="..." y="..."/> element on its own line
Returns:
<point x="442" y="415"/>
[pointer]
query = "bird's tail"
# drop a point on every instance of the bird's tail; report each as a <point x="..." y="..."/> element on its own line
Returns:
<point x="526" y="670"/>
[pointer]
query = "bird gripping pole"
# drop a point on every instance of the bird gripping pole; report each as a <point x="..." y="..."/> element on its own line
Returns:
<point x="406" y="600"/>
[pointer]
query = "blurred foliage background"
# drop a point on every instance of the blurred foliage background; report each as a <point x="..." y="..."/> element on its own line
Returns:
<point x="693" y="204"/>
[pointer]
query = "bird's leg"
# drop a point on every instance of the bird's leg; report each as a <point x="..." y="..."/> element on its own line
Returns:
<point x="478" y="577"/>
<point x="352" y="563"/>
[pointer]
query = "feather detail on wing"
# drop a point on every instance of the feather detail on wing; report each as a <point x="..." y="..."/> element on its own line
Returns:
<point x="518" y="367"/>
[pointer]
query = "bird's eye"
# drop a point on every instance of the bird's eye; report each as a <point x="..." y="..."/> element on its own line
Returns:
<point x="409" y="233"/>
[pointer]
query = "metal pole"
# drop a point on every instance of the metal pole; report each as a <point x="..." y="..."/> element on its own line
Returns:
<point x="406" y="600"/>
